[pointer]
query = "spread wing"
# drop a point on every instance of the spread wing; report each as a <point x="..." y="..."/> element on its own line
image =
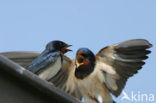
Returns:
<point x="121" y="61"/>
<point x="63" y="79"/>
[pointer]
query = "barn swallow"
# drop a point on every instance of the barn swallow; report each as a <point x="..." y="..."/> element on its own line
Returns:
<point x="47" y="65"/>
<point x="94" y="77"/>
<point x="98" y="76"/>
<point x="49" y="62"/>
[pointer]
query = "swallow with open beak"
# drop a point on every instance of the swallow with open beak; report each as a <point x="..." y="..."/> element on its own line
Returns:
<point x="49" y="62"/>
<point x="51" y="65"/>
<point x="94" y="77"/>
<point x="98" y="76"/>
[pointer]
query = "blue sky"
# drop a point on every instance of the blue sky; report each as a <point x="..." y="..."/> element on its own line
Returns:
<point x="28" y="25"/>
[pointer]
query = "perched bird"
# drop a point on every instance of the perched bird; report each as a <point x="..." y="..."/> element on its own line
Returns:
<point x="98" y="76"/>
<point x="93" y="77"/>
<point x="49" y="62"/>
<point x="51" y="65"/>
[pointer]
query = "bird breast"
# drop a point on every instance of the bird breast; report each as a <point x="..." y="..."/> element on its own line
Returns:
<point x="51" y="70"/>
<point x="89" y="86"/>
<point x="93" y="90"/>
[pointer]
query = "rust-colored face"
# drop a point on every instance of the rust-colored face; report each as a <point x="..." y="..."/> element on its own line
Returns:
<point x="81" y="62"/>
<point x="85" y="63"/>
<point x="65" y="49"/>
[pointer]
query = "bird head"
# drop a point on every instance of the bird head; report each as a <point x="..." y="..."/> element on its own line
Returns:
<point x="58" y="46"/>
<point x="85" y="62"/>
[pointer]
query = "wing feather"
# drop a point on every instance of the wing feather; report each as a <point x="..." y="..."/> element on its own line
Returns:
<point x="42" y="61"/>
<point x="121" y="61"/>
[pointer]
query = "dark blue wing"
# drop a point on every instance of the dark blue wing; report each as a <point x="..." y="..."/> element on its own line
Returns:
<point x="42" y="61"/>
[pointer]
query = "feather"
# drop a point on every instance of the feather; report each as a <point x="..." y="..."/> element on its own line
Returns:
<point x="125" y="59"/>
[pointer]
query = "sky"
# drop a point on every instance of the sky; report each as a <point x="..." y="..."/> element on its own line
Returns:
<point x="28" y="25"/>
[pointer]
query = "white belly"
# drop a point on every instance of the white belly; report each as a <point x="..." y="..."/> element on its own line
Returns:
<point x="52" y="70"/>
<point x="87" y="85"/>
<point x="92" y="87"/>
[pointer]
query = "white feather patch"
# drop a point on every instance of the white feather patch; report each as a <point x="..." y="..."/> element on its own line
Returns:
<point x="100" y="99"/>
<point x="109" y="69"/>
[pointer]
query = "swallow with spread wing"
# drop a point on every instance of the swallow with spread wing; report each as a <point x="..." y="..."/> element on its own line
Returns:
<point x="92" y="76"/>
<point x="96" y="76"/>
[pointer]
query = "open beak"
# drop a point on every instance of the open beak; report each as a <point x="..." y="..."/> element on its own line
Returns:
<point x="77" y="64"/>
<point x="68" y="47"/>
<point x="65" y="49"/>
